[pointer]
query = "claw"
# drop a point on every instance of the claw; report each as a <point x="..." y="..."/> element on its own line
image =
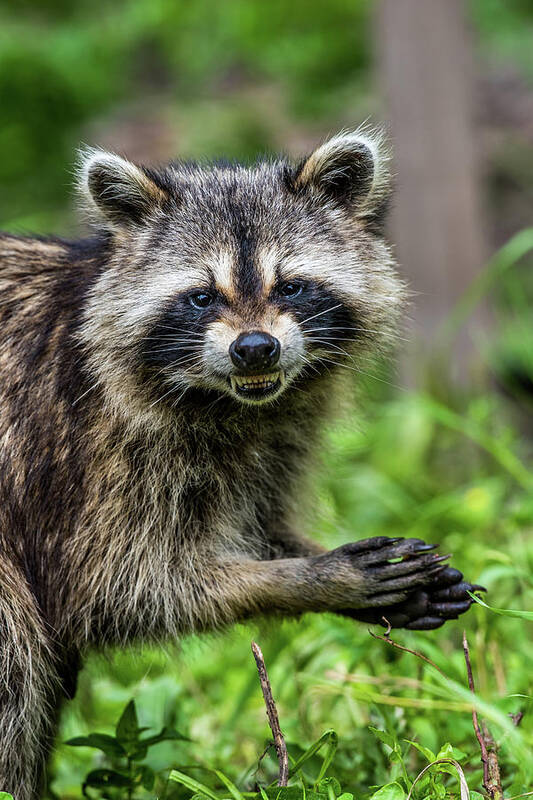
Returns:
<point x="437" y="567"/>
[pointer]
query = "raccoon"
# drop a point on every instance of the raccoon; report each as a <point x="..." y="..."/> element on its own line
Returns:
<point x="164" y="386"/>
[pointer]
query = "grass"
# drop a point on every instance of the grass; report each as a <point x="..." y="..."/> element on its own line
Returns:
<point x="456" y="474"/>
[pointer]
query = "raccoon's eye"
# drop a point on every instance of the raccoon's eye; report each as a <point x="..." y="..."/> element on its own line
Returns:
<point x="291" y="289"/>
<point x="201" y="299"/>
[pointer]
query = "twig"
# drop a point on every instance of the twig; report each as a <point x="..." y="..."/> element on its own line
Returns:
<point x="390" y="641"/>
<point x="259" y="760"/>
<point x="493" y="764"/>
<point x="489" y="758"/>
<point x="273" y="719"/>
<point x="477" y="730"/>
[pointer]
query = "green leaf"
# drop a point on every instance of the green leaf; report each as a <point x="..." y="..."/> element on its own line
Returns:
<point x="504" y="612"/>
<point x="328" y="786"/>
<point x="190" y="783"/>
<point x="426" y="752"/>
<point x="127" y="730"/>
<point x="291" y="793"/>
<point x="147" y="777"/>
<point x="391" y="791"/>
<point x="106" y="777"/>
<point x="328" y="738"/>
<point x="165" y="735"/>
<point x="396" y="755"/>
<point x="235" y="793"/>
<point x="448" y="751"/>
<point x="137" y="752"/>
<point x="384" y="737"/>
<point x="6" y="796"/>
<point x="100" y="741"/>
<point x="439" y="789"/>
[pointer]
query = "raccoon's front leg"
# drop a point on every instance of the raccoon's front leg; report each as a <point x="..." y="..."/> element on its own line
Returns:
<point x="444" y="597"/>
<point x="284" y="542"/>
<point x="370" y="574"/>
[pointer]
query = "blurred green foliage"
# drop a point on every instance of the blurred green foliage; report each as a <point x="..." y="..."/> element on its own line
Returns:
<point x="63" y="65"/>
<point x="68" y="67"/>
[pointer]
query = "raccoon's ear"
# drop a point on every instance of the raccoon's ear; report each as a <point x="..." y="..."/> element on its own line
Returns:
<point x="350" y="169"/>
<point x="115" y="191"/>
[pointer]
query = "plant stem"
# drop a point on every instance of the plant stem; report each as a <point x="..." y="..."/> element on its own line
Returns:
<point x="489" y="757"/>
<point x="272" y="714"/>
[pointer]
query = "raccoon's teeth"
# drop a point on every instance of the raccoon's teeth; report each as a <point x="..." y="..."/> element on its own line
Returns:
<point x="255" y="381"/>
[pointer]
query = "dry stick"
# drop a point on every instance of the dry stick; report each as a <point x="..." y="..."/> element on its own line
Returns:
<point x="491" y="768"/>
<point x="273" y="719"/>
<point x="392" y="643"/>
<point x="493" y="764"/>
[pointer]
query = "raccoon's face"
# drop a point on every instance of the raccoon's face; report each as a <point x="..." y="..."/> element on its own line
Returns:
<point x="243" y="281"/>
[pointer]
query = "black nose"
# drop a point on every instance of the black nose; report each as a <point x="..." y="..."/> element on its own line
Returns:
<point x="254" y="350"/>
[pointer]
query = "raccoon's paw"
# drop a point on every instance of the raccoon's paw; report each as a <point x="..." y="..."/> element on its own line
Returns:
<point x="378" y="572"/>
<point x="426" y="609"/>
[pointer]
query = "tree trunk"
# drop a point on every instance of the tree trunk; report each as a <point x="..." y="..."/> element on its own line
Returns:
<point x="425" y="64"/>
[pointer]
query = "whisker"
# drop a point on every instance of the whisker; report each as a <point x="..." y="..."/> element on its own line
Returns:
<point x="332" y="339"/>
<point x="340" y="328"/>
<point x="77" y="400"/>
<point x="309" y="364"/>
<point x="164" y="368"/>
<point x="172" y="338"/>
<point x="186" y="360"/>
<point x="333" y="328"/>
<point x="320" y="313"/>
<point x="179" y="363"/>
<point x="359" y="356"/>
<point x="179" y="330"/>
<point x="210" y="406"/>
<point x="184" y="392"/>
<point x="388" y="334"/>
<point x="363" y="372"/>
<point x="168" y="349"/>
<point x="172" y="389"/>
<point x="328" y="344"/>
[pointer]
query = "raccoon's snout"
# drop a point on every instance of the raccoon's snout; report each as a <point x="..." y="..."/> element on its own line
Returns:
<point x="255" y="350"/>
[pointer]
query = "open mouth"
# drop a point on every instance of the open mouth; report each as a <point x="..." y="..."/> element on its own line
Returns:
<point x="257" y="387"/>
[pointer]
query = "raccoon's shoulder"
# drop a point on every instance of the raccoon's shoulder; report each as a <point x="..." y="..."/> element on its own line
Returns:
<point x="42" y="261"/>
<point x="24" y="253"/>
